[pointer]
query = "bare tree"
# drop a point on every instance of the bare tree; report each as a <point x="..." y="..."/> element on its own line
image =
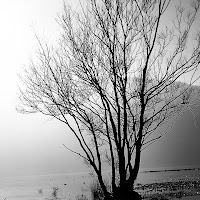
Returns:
<point x="117" y="72"/>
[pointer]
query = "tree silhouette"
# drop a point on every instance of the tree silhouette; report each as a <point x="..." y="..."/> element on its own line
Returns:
<point x="117" y="73"/>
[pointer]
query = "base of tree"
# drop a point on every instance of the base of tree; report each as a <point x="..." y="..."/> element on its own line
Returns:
<point x="136" y="196"/>
<point x="133" y="196"/>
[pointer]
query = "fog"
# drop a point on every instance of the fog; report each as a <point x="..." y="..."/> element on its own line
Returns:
<point x="33" y="144"/>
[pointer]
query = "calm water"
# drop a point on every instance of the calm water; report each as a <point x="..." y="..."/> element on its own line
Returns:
<point x="70" y="185"/>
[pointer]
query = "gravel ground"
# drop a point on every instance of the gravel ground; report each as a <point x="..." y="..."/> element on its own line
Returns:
<point x="181" y="189"/>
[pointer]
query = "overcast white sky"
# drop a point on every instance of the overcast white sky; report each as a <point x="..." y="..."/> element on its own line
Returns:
<point x="32" y="144"/>
<point x="29" y="144"/>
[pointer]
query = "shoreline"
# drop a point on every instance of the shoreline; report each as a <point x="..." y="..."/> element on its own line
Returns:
<point x="170" y="190"/>
<point x="156" y="186"/>
<point x="170" y="170"/>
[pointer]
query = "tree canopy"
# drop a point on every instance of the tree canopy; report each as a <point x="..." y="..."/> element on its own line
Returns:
<point x="117" y="71"/>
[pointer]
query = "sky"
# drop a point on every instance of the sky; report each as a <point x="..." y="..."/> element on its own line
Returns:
<point x="33" y="144"/>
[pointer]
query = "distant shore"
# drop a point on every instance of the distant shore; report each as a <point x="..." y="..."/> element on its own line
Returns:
<point x="169" y="170"/>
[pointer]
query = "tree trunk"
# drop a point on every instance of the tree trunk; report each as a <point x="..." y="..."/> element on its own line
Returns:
<point x="126" y="188"/>
<point x="124" y="192"/>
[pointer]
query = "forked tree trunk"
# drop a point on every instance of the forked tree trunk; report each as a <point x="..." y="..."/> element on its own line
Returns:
<point x="125" y="192"/>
